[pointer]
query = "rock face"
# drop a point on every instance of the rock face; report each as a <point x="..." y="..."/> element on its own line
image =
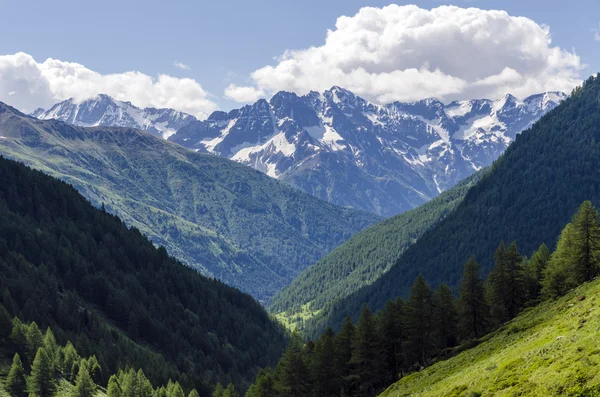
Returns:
<point x="108" y="112"/>
<point x="380" y="158"/>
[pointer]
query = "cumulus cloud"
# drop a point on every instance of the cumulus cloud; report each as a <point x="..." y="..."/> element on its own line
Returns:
<point x="181" y="65"/>
<point x="408" y="53"/>
<point x="27" y="84"/>
<point x="243" y="93"/>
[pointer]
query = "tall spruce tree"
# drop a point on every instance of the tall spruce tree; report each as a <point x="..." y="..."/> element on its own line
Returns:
<point x="35" y="340"/>
<point x="41" y="382"/>
<point x="472" y="307"/>
<point x="496" y="288"/>
<point x="114" y="388"/>
<point x="419" y="322"/>
<point x="324" y="368"/>
<point x="586" y="229"/>
<point x="343" y="356"/>
<point x="293" y="374"/>
<point x="365" y="353"/>
<point x="16" y="384"/>
<point x="534" y="272"/>
<point x="84" y="385"/>
<point x="558" y="275"/>
<point x="392" y="332"/>
<point x="446" y="317"/>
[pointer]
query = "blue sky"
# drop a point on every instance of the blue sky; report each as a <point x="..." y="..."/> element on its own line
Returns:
<point x="223" y="42"/>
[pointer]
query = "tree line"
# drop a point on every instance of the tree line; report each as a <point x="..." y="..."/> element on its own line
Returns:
<point x="364" y="358"/>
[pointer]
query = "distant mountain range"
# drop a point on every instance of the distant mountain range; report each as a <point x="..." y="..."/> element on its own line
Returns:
<point x="225" y="219"/>
<point x="108" y="112"/>
<point x="338" y="147"/>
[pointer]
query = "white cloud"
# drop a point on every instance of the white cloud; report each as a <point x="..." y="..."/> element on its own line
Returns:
<point x="243" y="93"/>
<point x="408" y="53"/>
<point x="181" y="65"/>
<point x="27" y="84"/>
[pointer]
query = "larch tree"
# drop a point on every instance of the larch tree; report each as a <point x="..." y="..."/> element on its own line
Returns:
<point x="472" y="307"/>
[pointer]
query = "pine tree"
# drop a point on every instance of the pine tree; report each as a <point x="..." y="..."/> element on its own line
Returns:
<point x="559" y="275"/>
<point x="113" y="389"/>
<point x="472" y="307"/>
<point x="16" y="384"/>
<point x="446" y="317"/>
<point x="52" y="349"/>
<point x="515" y="280"/>
<point x="143" y="384"/>
<point x="392" y="335"/>
<point x="41" y="382"/>
<point x="419" y="321"/>
<point x="292" y="370"/>
<point x="534" y="272"/>
<point x="18" y="338"/>
<point x="365" y="352"/>
<point x="343" y="356"/>
<point x="586" y="229"/>
<point x="69" y="357"/>
<point x="264" y="386"/>
<point x="496" y="287"/>
<point x="193" y="393"/>
<point x="219" y="390"/>
<point x="230" y="391"/>
<point x="324" y="370"/>
<point x="175" y="390"/>
<point x="35" y="340"/>
<point x="84" y="385"/>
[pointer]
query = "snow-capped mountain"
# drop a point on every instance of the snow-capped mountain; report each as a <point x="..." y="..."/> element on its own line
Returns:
<point x="106" y="111"/>
<point x="380" y="158"/>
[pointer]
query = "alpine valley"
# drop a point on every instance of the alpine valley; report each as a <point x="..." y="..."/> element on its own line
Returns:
<point x="336" y="146"/>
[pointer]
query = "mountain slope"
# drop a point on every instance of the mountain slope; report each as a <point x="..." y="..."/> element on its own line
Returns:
<point x="225" y="219"/>
<point x="529" y="193"/>
<point x="78" y="269"/>
<point x="106" y="111"/>
<point x="363" y="258"/>
<point x="383" y="159"/>
<point x="548" y="350"/>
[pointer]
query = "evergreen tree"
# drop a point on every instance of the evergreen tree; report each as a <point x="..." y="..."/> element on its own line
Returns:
<point x="6" y="324"/>
<point x="365" y="353"/>
<point x="35" y="340"/>
<point x="558" y="275"/>
<point x="264" y="386"/>
<point x="84" y="385"/>
<point x="41" y="382"/>
<point x="586" y="229"/>
<point x="52" y="349"/>
<point x="16" y="384"/>
<point x="497" y="285"/>
<point x="473" y="308"/>
<point x="534" y="272"/>
<point x="293" y="373"/>
<point x="446" y="317"/>
<point x="143" y="384"/>
<point x="175" y="390"/>
<point x="219" y="390"/>
<point x="193" y="393"/>
<point x="392" y="335"/>
<point x="419" y="321"/>
<point x="343" y="356"/>
<point x="113" y="389"/>
<point x="18" y="338"/>
<point x="515" y="281"/>
<point x="324" y="370"/>
<point x="69" y="357"/>
<point x="230" y="391"/>
<point x="94" y="369"/>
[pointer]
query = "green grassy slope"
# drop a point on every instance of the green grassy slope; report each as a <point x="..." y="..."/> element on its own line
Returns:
<point x="362" y="259"/>
<point x="227" y="220"/>
<point x="548" y="350"/>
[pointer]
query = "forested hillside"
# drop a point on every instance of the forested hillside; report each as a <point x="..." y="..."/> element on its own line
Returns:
<point x="405" y="337"/>
<point x="528" y="195"/>
<point x="225" y="219"/>
<point x="362" y="259"/>
<point x="108" y="290"/>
